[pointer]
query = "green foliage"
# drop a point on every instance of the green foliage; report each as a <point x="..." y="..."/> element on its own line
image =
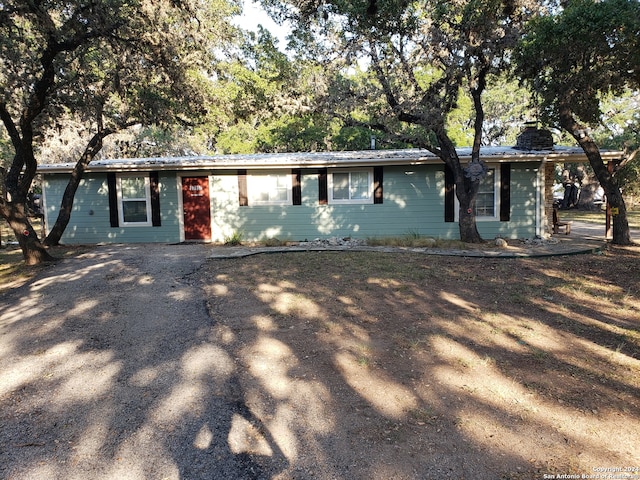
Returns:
<point x="100" y="66"/>
<point x="139" y="64"/>
<point x="619" y="129"/>
<point x="507" y="106"/>
<point x="460" y="122"/>
<point x="5" y="151"/>
<point x="113" y="63"/>
<point x="580" y="54"/>
<point x="233" y="240"/>
<point x="297" y="134"/>
<point x="355" y="138"/>
<point x="587" y="57"/>
<point x="240" y="138"/>
<point x="629" y="176"/>
<point x="424" y="58"/>
<point x="573" y="58"/>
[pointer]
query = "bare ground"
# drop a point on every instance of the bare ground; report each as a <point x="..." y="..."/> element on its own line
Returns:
<point x="409" y="366"/>
<point x="131" y="363"/>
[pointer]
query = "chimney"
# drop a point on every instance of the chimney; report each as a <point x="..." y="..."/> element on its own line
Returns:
<point x="534" y="138"/>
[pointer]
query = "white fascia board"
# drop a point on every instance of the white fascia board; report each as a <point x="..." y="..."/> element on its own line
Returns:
<point x="324" y="160"/>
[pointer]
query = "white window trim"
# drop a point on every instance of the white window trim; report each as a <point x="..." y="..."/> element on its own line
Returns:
<point x="496" y="198"/>
<point x="359" y="201"/>
<point x="254" y="187"/>
<point x="147" y="199"/>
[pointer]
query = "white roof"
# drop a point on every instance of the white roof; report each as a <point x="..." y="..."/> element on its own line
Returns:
<point x="323" y="159"/>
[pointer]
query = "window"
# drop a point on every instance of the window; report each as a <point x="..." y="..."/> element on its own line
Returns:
<point x="134" y="198"/>
<point x="269" y="188"/>
<point x="351" y="186"/>
<point x="486" y="198"/>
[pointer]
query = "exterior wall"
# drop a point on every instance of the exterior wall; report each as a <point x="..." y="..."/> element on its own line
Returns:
<point x="524" y="206"/>
<point x="413" y="203"/>
<point x="90" y="215"/>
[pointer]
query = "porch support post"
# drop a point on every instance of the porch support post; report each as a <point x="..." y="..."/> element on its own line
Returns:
<point x="548" y="169"/>
<point x="608" y="228"/>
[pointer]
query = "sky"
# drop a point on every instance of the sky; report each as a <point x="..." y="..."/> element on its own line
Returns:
<point x="253" y="15"/>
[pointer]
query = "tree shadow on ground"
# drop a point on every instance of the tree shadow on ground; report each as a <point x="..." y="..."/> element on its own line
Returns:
<point x="320" y="365"/>
<point x="106" y="372"/>
<point x="431" y="367"/>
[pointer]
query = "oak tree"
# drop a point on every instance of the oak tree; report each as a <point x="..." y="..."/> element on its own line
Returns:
<point x="109" y="64"/>
<point x="573" y="57"/>
<point x="421" y="57"/>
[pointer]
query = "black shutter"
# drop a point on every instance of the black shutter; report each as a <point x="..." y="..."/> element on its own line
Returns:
<point x="113" y="199"/>
<point x="449" y="195"/>
<point x="377" y="185"/>
<point x="154" y="183"/>
<point x="505" y="192"/>
<point x="243" y="196"/>
<point x="296" y="190"/>
<point x="323" y="190"/>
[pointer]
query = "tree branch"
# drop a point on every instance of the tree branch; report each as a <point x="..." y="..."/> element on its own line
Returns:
<point x="476" y="94"/>
<point x="628" y="158"/>
<point x="382" y="78"/>
<point x="10" y="125"/>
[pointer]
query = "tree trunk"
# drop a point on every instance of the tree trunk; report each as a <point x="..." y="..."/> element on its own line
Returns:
<point x="64" y="214"/>
<point x="466" y="217"/>
<point x="33" y="251"/>
<point x="588" y="190"/>
<point x="18" y="180"/>
<point x="609" y="182"/>
<point x="466" y="191"/>
<point x="468" y="187"/>
<point x="13" y="203"/>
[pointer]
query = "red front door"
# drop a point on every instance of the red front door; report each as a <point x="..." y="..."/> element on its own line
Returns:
<point x="196" y="208"/>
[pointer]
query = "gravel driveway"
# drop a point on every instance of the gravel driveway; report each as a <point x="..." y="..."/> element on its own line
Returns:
<point x="150" y="362"/>
<point x="109" y="369"/>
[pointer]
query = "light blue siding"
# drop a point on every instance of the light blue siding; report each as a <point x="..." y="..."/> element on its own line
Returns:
<point x="413" y="202"/>
<point x="90" y="214"/>
<point x="522" y="223"/>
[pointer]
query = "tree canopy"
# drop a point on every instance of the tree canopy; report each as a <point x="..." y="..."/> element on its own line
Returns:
<point x="107" y="64"/>
<point x="573" y="57"/>
<point x="422" y="59"/>
<point x="580" y="53"/>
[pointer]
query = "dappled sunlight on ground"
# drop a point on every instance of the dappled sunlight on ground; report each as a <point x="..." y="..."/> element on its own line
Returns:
<point x="321" y="365"/>
<point x="244" y="437"/>
<point x="107" y="372"/>
<point x="384" y="395"/>
<point x="503" y="370"/>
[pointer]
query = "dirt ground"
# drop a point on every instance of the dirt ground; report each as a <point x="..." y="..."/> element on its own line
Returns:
<point x="158" y="363"/>
<point x="403" y="366"/>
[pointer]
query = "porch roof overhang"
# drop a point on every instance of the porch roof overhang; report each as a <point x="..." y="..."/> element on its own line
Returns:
<point x="325" y="159"/>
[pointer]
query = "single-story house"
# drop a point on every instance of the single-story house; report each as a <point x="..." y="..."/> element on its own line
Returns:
<point x="298" y="196"/>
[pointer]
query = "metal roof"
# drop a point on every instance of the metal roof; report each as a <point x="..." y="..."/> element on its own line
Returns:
<point x="322" y="159"/>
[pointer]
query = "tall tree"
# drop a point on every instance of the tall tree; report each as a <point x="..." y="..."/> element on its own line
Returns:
<point x="621" y="127"/>
<point x="109" y="64"/>
<point x="421" y="55"/>
<point x="573" y="57"/>
<point x="274" y="102"/>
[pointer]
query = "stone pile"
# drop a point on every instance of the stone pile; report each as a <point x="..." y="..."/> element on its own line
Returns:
<point x="540" y="242"/>
<point x="333" y="242"/>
